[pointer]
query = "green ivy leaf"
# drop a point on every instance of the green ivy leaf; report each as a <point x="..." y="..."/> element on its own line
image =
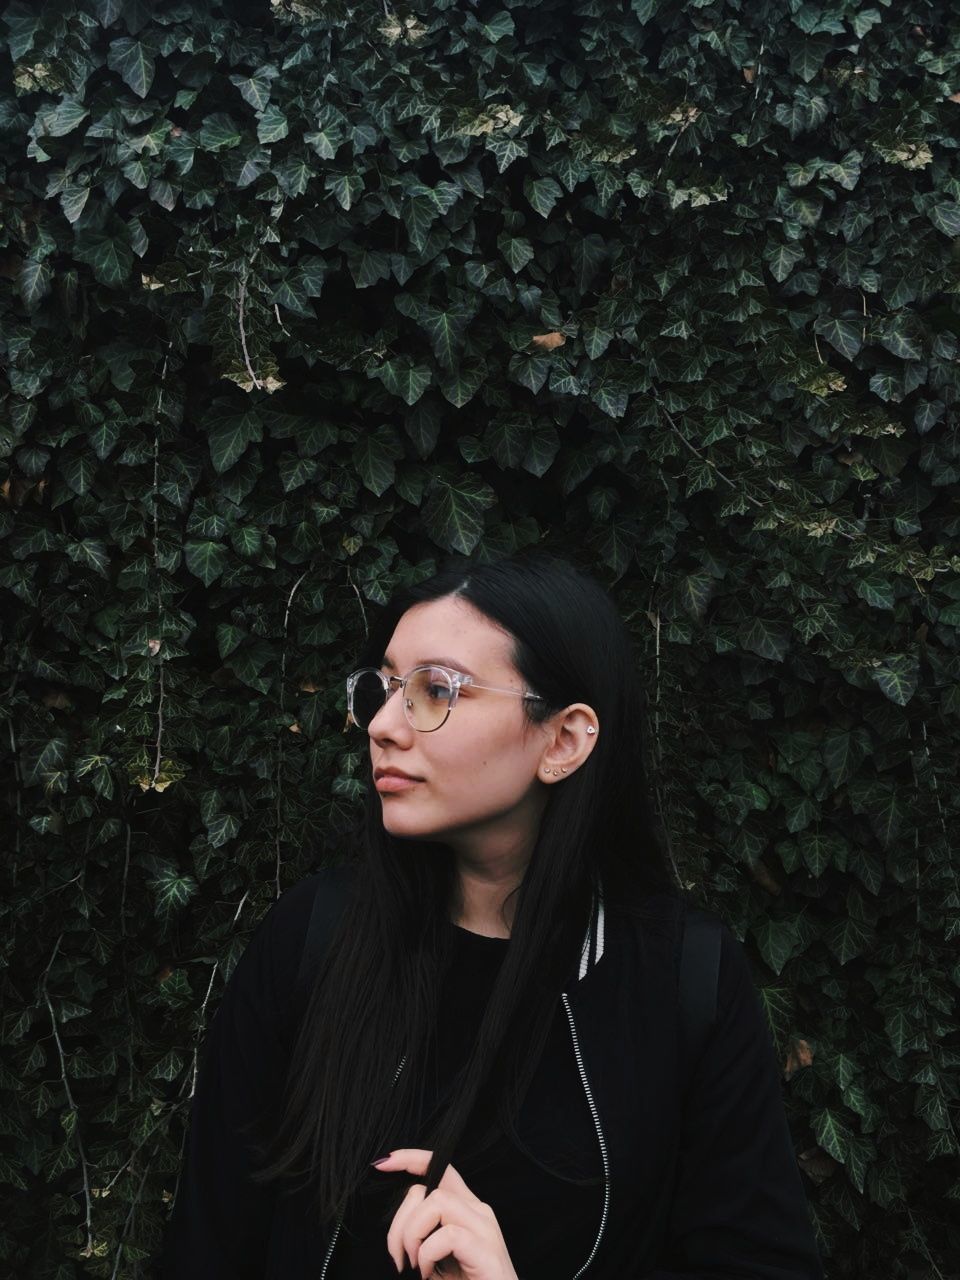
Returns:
<point x="768" y="639"/>
<point x="832" y="1132"/>
<point x="517" y="252"/>
<point x="776" y="941"/>
<point x="445" y="329"/>
<point x="848" y="938"/>
<point x="230" y="436"/>
<point x="782" y="259"/>
<point x="946" y="217"/>
<point x="91" y="552"/>
<point x="206" y="560"/>
<point x="406" y="380"/>
<point x="110" y="257"/>
<point x="375" y="456"/>
<point x="453" y="515"/>
<point x="506" y="440"/>
<point x="542" y="449"/>
<point x="272" y="125"/>
<point x="589" y="254"/>
<point x="222" y="829"/>
<point x="368" y="266"/>
<point x="133" y="63"/>
<point x="254" y="89"/>
<point x="219" y="132"/>
<point x="56" y="122"/>
<point x="172" y="891"/>
<point x="696" y="592"/>
<point x="461" y="384"/>
<point x="843" y="335"/>
<point x="843" y="752"/>
<point x="346" y="188"/>
<point x="33" y="281"/>
<point x="79" y="471"/>
<point x="877" y="591"/>
<point x="898" y="677"/>
<point x="543" y="194"/>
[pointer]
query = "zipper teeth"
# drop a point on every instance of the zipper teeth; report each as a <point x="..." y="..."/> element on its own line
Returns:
<point x="336" y="1231"/>
<point x="329" y="1253"/>
<point x="600" y="1138"/>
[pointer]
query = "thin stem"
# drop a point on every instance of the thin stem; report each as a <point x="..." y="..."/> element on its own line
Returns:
<point x="156" y="762"/>
<point x="278" y="783"/>
<point x="241" y="303"/>
<point x="363" y="612"/>
<point x="87" y="1251"/>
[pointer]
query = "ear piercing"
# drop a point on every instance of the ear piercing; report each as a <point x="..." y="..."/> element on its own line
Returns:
<point x="555" y="772"/>
<point x="591" y="729"/>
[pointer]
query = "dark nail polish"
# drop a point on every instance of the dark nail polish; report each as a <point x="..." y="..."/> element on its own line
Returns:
<point x="380" y="1160"/>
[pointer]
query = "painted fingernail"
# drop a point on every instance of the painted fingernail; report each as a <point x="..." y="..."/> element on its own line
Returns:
<point x="380" y="1160"/>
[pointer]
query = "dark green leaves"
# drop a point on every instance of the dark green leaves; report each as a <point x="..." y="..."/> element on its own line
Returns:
<point x="404" y="379"/>
<point x="374" y="456"/>
<point x="56" y="122"/>
<point x="454" y="511"/>
<point x="517" y="252"/>
<point x="844" y="336"/>
<point x="295" y="309"/>
<point x="108" y="255"/>
<point x="33" y="281"/>
<point x="219" y="133"/>
<point x="206" y="560"/>
<point x="898" y="677"/>
<point x="543" y="194"/>
<point x="133" y="63"/>
<point x="946" y="218"/>
<point x="229" y="435"/>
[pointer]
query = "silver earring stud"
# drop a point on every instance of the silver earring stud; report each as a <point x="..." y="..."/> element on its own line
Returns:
<point x="591" y="729"/>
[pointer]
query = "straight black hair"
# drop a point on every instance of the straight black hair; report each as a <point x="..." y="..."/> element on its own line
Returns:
<point x="352" y="1089"/>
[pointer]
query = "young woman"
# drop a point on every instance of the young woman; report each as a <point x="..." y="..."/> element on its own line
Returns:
<point x="486" y="1073"/>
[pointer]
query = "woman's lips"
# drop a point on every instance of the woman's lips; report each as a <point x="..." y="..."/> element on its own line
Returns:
<point x="390" y="783"/>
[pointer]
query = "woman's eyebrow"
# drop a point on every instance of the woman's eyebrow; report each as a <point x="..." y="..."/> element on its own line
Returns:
<point x="433" y="662"/>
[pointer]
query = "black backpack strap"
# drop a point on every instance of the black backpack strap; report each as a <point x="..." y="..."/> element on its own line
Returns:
<point x="699" y="977"/>
<point x="332" y="892"/>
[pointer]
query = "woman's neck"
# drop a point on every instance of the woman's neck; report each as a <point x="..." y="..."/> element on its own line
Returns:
<point x="486" y="899"/>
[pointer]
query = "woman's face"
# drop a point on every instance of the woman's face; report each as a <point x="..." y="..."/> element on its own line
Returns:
<point x="477" y="786"/>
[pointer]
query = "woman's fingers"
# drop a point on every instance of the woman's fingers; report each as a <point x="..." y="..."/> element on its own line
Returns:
<point x="438" y="1210"/>
<point x="416" y="1161"/>
<point x="395" y="1246"/>
<point x="444" y="1242"/>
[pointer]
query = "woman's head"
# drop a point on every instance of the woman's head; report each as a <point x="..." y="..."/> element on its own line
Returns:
<point x="531" y="624"/>
<point x="480" y="781"/>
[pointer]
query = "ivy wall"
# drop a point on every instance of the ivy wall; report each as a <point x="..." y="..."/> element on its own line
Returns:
<point x="298" y="298"/>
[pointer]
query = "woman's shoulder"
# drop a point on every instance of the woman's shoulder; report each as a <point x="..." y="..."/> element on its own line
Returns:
<point x="273" y="957"/>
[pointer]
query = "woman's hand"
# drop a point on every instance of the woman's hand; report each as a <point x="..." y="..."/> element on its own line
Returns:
<point x="449" y="1226"/>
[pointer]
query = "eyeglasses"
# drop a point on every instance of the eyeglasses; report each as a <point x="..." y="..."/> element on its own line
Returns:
<point x="429" y="695"/>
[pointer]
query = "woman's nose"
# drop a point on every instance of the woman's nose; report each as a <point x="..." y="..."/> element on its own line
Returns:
<point x="391" y="721"/>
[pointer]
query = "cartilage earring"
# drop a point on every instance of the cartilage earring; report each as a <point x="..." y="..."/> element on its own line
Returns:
<point x="591" y="729"/>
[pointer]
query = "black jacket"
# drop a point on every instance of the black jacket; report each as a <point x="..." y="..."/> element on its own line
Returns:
<point x="702" y="1180"/>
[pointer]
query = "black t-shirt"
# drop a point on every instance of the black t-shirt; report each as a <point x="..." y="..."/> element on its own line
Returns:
<point x="547" y="1221"/>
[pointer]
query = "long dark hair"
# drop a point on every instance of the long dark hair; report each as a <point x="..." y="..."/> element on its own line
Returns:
<point x="375" y="999"/>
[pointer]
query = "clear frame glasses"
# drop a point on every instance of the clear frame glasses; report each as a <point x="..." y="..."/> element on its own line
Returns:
<point x="429" y="694"/>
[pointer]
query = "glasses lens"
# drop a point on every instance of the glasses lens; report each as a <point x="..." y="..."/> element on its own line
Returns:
<point x="427" y="698"/>
<point x="368" y="697"/>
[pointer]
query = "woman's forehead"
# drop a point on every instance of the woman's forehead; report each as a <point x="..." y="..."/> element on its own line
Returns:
<point x="449" y="632"/>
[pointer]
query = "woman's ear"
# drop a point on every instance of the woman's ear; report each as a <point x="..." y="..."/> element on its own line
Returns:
<point x="571" y="736"/>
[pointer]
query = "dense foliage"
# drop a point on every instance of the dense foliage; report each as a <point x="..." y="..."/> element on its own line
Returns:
<point x="297" y="297"/>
